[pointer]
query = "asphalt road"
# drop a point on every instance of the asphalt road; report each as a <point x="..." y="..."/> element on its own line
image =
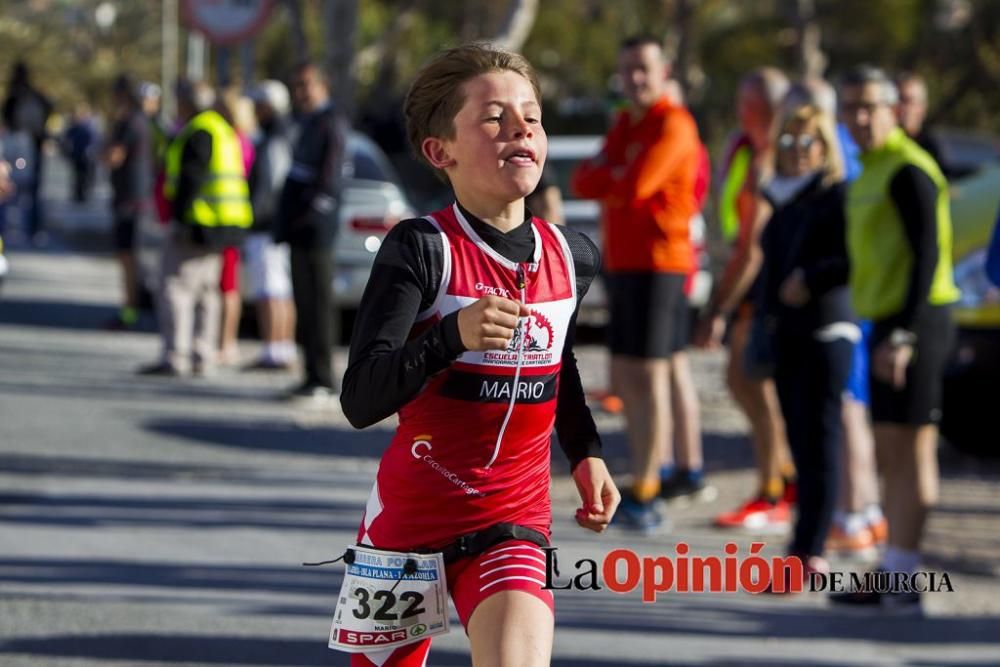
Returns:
<point x="163" y="522"/>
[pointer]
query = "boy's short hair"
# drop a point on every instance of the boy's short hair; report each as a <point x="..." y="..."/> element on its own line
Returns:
<point x="436" y="95"/>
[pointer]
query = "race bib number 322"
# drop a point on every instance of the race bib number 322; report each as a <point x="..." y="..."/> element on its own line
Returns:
<point x="381" y="605"/>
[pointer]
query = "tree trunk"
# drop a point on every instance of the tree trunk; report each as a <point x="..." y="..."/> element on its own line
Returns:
<point x="812" y="60"/>
<point x="517" y="25"/>
<point x="684" y="46"/>
<point x="294" y="8"/>
<point x="341" y="19"/>
<point x="385" y="50"/>
<point x="169" y="57"/>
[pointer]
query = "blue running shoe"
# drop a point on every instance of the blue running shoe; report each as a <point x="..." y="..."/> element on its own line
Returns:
<point x="634" y="515"/>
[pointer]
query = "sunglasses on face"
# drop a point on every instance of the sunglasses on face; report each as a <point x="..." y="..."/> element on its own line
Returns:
<point x="789" y="141"/>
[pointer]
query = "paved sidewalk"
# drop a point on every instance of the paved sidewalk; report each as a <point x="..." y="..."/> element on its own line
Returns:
<point x="157" y="522"/>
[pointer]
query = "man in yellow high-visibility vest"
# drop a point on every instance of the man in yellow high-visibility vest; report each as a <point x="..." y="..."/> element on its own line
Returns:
<point x="899" y="243"/>
<point x="207" y="188"/>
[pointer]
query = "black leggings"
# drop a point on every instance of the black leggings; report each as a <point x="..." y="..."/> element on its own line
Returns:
<point x="811" y="377"/>
<point x="312" y="286"/>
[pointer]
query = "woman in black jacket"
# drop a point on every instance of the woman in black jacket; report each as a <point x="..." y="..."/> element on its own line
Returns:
<point x="804" y="301"/>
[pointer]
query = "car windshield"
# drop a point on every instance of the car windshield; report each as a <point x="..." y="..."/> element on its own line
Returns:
<point x="366" y="167"/>
<point x="367" y="162"/>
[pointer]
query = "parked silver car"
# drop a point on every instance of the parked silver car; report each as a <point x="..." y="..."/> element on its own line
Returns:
<point x="372" y="202"/>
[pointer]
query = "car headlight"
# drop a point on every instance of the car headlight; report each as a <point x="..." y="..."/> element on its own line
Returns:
<point x="970" y="276"/>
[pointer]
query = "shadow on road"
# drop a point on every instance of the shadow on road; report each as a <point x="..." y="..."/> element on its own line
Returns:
<point x="63" y="314"/>
<point x="268" y="435"/>
<point x="277" y="651"/>
<point x="118" y="575"/>
<point x="118" y="469"/>
<point x="281" y="651"/>
<point x="82" y="511"/>
<point x="722" y="452"/>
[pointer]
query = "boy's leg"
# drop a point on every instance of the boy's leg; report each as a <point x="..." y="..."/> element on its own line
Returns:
<point x="511" y="629"/>
<point x="500" y="599"/>
<point x="411" y="655"/>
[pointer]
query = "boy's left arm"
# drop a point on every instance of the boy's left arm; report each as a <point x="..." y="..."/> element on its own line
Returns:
<point x="581" y="443"/>
<point x="575" y="427"/>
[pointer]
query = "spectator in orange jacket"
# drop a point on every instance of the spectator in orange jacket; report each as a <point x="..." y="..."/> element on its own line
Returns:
<point x="645" y="178"/>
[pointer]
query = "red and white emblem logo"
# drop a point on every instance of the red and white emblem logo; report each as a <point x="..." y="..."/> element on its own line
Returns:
<point x="537" y="332"/>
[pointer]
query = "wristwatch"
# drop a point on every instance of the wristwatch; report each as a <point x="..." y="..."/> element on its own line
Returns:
<point x="901" y="337"/>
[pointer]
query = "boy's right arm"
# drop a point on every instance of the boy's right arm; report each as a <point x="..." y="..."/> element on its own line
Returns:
<point x="385" y="369"/>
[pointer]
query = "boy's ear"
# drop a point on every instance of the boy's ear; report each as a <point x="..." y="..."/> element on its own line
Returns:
<point x="436" y="153"/>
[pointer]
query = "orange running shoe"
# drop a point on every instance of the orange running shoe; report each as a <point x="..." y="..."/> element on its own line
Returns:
<point x="612" y="404"/>
<point x="607" y="402"/>
<point x="758" y="514"/>
<point x="860" y="543"/>
<point x="880" y="531"/>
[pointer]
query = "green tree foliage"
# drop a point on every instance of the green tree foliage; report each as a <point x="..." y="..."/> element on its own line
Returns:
<point x="70" y="57"/>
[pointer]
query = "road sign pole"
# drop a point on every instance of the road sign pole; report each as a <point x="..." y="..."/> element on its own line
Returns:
<point x="168" y="62"/>
<point x="196" y="49"/>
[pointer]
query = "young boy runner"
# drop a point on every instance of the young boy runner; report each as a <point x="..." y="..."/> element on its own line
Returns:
<point x="466" y="329"/>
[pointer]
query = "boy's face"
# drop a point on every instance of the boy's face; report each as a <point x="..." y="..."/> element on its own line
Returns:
<point x="499" y="147"/>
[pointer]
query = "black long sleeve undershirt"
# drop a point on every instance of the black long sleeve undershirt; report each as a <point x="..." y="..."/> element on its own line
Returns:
<point x="915" y="197"/>
<point x="386" y="370"/>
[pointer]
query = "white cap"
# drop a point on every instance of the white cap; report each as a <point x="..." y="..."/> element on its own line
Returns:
<point x="273" y="93"/>
<point x="149" y="89"/>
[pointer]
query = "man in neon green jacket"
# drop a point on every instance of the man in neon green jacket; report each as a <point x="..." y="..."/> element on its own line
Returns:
<point x="899" y="241"/>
